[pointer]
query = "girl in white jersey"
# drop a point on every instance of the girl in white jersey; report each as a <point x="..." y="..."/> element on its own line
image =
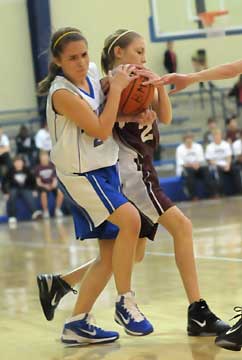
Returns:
<point x="85" y="155"/>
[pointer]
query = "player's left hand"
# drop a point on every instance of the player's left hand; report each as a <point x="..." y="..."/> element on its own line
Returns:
<point x="147" y="117"/>
<point x="105" y="85"/>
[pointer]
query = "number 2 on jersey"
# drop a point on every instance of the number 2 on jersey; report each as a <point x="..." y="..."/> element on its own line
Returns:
<point x="145" y="134"/>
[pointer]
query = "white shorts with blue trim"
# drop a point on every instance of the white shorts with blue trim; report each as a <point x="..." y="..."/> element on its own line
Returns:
<point x="94" y="196"/>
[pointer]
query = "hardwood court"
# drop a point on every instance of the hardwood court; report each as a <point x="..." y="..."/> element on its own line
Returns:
<point x="49" y="246"/>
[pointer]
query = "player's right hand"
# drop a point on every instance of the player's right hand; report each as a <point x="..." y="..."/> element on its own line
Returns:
<point x="121" y="76"/>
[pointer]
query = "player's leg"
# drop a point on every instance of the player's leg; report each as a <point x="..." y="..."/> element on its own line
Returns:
<point x="201" y="321"/>
<point x="80" y="329"/>
<point x="127" y="314"/>
<point x="52" y="288"/>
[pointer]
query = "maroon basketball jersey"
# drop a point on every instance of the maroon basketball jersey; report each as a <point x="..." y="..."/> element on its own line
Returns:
<point x="144" y="139"/>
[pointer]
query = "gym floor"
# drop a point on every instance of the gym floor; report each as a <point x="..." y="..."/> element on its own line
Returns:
<point x="50" y="247"/>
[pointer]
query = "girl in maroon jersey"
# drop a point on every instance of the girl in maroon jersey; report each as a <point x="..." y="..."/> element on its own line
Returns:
<point x="140" y="181"/>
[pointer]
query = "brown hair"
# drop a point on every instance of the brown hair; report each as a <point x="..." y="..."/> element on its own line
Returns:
<point x="59" y="40"/>
<point x="108" y="55"/>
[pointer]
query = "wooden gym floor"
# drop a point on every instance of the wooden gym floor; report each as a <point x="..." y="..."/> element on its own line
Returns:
<point x="49" y="246"/>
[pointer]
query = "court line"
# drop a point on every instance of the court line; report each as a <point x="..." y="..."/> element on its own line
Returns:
<point x="216" y="258"/>
<point x="81" y="249"/>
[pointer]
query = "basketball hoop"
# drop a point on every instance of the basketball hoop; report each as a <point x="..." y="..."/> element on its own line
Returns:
<point x="207" y="18"/>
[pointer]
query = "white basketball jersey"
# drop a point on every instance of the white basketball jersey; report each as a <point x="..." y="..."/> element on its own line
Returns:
<point x="73" y="150"/>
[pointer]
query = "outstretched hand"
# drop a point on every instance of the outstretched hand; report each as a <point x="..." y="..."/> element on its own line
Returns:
<point x="180" y="81"/>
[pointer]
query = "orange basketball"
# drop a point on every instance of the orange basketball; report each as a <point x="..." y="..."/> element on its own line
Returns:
<point x="136" y="97"/>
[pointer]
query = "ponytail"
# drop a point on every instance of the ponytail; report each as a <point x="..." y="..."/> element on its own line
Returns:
<point x="44" y="85"/>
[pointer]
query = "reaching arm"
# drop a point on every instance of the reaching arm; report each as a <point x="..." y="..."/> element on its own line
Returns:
<point x="220" y="72"/>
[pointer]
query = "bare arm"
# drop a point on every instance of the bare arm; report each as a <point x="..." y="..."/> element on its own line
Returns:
<point x="78" y="110"/>
<point x="220" y="72"/>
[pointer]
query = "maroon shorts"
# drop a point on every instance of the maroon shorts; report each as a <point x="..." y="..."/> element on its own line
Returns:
<point x="141" y="185"/>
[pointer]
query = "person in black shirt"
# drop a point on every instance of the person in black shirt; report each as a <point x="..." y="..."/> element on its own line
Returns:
<point x="19" y="182"/>
<point x="25" y="145"/>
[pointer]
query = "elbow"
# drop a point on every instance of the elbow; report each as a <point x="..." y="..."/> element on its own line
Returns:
<point x="104" y="136"/>
<point x="166" y="120"/>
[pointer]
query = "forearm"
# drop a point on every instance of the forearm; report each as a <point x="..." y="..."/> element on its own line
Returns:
<point x="220" y="72"/>
<point x="162" y="106"/>
<point x="110" y="112"/>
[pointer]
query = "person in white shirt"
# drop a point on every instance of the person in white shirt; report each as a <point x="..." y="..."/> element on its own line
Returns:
<point x="191" y="165"/>
<point x="237" y="165"/>
<point x="219" y="156"/>
<point x="43" y="139"/>
<point x="5" y="159"/>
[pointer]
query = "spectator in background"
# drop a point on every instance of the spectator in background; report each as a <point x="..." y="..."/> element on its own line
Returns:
<point x="19" y="182"/>
<point x="43" y="140"/>
<point x="25" y="145"/>
<point x="236" y="91"/>
<point x="191" y="165"/>
<point x="170" y="58"/>
<point x="5" y="159"/>
<point x="232" y="131"/>
<point x="47" y="183"/>
<point x="219" y="156"/>
<point x="237" y="165"/>
<point x="208" y="135"/>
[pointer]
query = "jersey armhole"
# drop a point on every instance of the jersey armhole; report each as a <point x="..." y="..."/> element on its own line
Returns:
<point x="64" y="88"/>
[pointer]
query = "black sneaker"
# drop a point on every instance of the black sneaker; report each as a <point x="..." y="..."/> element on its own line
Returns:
<point x="232" y="339"/>
<point x="202" y="322"/>
<point x="51" y="290"/>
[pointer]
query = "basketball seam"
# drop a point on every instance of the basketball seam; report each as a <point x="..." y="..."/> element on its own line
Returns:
<point x="127" y="98"/>
<point x="147" y="96"/>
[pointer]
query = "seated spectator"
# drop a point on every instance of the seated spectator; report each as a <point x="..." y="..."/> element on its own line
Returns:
<point x="191" y="166"/>
<point x="5" y="159"/>
<point x="232" y="130"/>
<point x="237" y="165"/>
<point x="219" y="155"/>
<point x="236" y="91"/>
<point x="47" y="182"/>
<point x="208" y="135"/>
<point x="43" y="140"/>
<point x="25" y="145"/>
<point x="19" y="182"/>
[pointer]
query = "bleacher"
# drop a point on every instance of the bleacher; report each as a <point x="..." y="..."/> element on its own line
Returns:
<point x="191" y="110"/>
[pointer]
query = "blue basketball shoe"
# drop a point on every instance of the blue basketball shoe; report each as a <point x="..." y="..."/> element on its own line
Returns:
<point x="80" y="330"/>
<point x="129" y="316"/>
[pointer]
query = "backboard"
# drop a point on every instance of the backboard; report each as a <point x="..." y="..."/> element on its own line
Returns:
<point x="179" y="19"/>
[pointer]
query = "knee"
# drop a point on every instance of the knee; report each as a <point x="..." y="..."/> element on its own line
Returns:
<point x="131" y="221"/>
<point x="105" y="262"/>
<point x="185" y="224"/>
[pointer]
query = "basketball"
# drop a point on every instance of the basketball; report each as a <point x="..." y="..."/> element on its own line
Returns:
<point x="136" y="97"/>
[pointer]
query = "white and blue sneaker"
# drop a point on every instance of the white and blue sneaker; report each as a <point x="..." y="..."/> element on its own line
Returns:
<point x="129" y="316"/>
<point x="79" y="330"/>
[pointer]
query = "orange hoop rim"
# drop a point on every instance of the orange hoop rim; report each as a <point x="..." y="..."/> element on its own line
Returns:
<point x="208" y="17"/>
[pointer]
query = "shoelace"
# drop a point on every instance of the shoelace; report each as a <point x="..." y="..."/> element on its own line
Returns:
<point x="91" y="323"/>
<point x="239" y="310"/>
<point x="65" y="286"/>
<point x="132" y="309"/>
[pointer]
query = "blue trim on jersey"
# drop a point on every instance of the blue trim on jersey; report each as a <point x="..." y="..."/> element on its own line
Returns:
<point x="91" y="89"/>
<point x="83" y="212"/>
